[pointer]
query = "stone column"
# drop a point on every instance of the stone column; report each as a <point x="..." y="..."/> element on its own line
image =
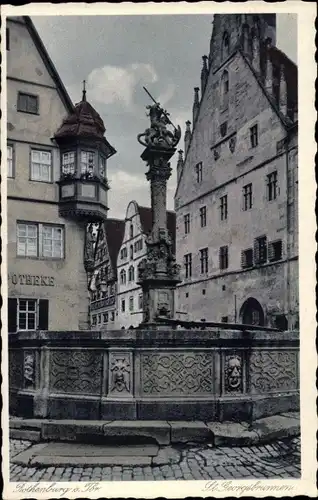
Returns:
<point x="158" y="274"/>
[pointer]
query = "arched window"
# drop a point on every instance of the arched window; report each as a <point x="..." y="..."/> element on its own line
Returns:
<point x="252" y="313"/>
<point x="131" y="251"/>
<point x="131" y="274"/>
<point x="131" y="230"/>
<point x="225" y="89"/>
<point x="123" y="277"/>
<point x="225" y="45"/>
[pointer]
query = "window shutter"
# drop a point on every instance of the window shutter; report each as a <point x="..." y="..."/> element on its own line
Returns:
<point x="243" y="258"/>
<point x="256" y="251"/>
<point x="43" y="314"/>
<point x="12" y="315"/>
<point x="271" y="251"/>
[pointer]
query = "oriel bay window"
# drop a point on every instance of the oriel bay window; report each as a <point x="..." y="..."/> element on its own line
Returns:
<point x="40" y="240"/>
<point x="41" y="165"/>
<point x="27" y="314"/>
<point x="87" y="163"/>
<point x="68" y="164"/>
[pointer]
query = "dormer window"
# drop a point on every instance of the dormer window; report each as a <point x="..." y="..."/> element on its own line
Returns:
<point x="68" y="163"/>
<point x="225" y="45"/>
<point x="87" y="163"/>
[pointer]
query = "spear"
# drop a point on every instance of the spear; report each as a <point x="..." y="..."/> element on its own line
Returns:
<point x="161" y="108"/>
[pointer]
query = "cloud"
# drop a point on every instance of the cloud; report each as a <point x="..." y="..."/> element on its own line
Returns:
<point x="115" y="84"/>
<point x="165" y="97"/>
<point x="126" y="187"/>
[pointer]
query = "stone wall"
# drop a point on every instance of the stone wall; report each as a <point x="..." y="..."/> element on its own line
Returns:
<point x="150" y="375"/>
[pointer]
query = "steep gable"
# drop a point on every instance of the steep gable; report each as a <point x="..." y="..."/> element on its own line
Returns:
<point x="28" y="51"/>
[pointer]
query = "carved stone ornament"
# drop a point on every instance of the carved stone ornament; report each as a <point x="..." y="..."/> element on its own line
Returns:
<point x="233" y="373"/>
<point x="157" y="135"/>
<point x="217" y="153"/>
<point x="89" y="243"/>
<point x="120" y="371"/>
<point x="232" y="143"/>
<point x="29" y="369"/>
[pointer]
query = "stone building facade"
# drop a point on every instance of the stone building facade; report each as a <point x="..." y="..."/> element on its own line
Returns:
<point x="236" y="199"/>
<point x="138" y="223"/>
<point x="49" y="202"/>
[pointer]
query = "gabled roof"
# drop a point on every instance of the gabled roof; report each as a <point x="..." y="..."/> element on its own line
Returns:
<point x="145" y="214"/>
<point x="114" y="233"/>
<point x="48" y="63"/>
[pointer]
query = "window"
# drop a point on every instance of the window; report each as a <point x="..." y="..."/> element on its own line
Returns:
<point x="123" y="277"/>
<point x="272" y="186"/>
<point x="41" y="165"/>
<point x="224" y="319"/>
<point x="225" y="45"/>
<point x="223" y="207"/>
<point x="260" y="250"/>
<point x="131" y="231"/>
<point x="188" y="265"/>
<point x="254" y="136"/>
<point x="7" y="39"/>
<point x="198" y="171"/>
<point x="105" y="317"/>
<point x="28" y="103"/>
<point x="52" y="242"/>
<point x="94" y="319"/>
<point x="112" y="317"/>
<point x="123" y="305"/>
<point x="203" y="216"/>
<point x="247" y="197"/>
<point x="225" y="90"/>
<point x="138" y="245"/>
<point x="10" y="172"/>
<point x="204" y="260"/>
<point x="123" y="253"/>
<point x="68" y="163"/>
<point x="274" y="250"/>
<point x="247" y="258"/>
<point x="131" y="252"/>
<point x="223" y="129"/>
<point x="99" y="318"/>
<point x="87" y="163"/>
<point x="38" y="240"/>
<point x="131" y="274"/>
<point x="102" y="166"/>
<point x="140" y="301"/>
<point x="224" y="257"/>
<point x="27" y="314"/>
<point x="131" y="304"/>
<point x="187" y="223"/>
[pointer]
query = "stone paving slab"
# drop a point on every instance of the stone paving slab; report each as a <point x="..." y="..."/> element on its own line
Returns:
<point x="158" y="430"/>
<point x="183" y="432"/>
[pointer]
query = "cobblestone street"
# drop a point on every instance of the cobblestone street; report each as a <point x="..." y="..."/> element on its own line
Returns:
<point x="281" y="459"/>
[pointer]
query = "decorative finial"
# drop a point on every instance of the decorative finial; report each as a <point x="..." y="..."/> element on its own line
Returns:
<point x="205" y="65"/>
<point x="84" y="91"/>
<point x="188" y="123"/>
<point x="180" y="152"/>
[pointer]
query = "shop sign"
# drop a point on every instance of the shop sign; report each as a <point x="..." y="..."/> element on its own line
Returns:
<point x="29" y="279"/>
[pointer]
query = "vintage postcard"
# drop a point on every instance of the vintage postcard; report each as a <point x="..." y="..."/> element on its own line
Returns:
<point x="158" y="230"/>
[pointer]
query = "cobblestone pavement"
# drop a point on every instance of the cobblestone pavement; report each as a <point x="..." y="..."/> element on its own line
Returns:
<point x="281" y="459"/>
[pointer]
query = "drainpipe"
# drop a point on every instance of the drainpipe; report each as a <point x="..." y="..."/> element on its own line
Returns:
<point x="288" y="239"/>
<point x="235" y="312"/>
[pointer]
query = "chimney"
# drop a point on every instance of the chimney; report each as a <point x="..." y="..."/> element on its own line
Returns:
<point x="268" y="70"/>
<point x="256" y="61"/>
<point x="179" y="164"/>
<point x="204" y="73"/>
<point x="283" y="91"/>
<point x="196" y="104"/>
<point x="187" y="136"/>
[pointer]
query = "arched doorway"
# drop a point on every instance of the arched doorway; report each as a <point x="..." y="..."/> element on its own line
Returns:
<point x="252" y="313"/>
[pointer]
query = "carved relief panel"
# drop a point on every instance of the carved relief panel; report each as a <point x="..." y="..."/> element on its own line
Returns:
<point x="29" y="370"/>
<point x="76" y="371"/>
<point x="272" y="371"/>
<point x="120" y="374"/>
<point x="177" y="374"/>
<point x="233" y="372"/>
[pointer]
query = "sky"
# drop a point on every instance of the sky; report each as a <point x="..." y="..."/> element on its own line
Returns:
<point x="117" y="56"/>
